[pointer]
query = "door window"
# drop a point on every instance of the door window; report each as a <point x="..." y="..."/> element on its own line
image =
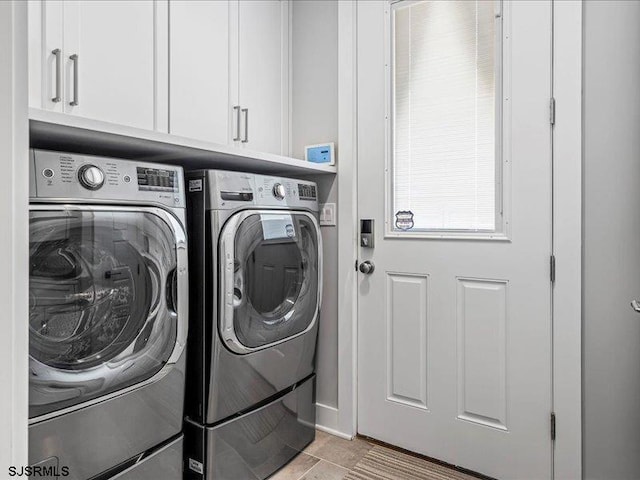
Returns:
<point x="101" y="313"/>
<point x="445" y="102"/>
<point x="275" y="291"/>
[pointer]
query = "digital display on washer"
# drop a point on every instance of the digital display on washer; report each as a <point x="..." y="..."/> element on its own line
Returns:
<point x="306" y="192"/>
<point x="155" y="179"/>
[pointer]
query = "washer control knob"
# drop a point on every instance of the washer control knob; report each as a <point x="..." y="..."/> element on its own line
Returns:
<point x="90" y="177"/>
<point x="278" y="191"/>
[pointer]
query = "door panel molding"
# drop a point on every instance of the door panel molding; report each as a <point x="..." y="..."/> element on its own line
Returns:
<point x="407" y="342"/>
<point x="482" y="308"/>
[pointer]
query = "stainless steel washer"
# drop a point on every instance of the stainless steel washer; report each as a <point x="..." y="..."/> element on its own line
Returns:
<point x="108" y="285"/>
<point x="256" y="273"/>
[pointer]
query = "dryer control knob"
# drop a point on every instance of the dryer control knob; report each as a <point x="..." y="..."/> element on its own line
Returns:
<point x="91" y="177"/>
<point x="279" y="191"/>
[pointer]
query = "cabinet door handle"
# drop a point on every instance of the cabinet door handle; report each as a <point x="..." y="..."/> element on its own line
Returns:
<point x="58" y="96"/>
<point x="236" y="109"/>
<point x="246" y="125"/>
<point x="76" y="99"/>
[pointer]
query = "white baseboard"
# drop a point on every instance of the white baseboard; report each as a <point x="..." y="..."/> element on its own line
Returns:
<point x="327" y="421"/>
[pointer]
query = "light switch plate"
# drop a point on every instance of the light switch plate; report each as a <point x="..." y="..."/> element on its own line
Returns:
<point x="328" y="214"/>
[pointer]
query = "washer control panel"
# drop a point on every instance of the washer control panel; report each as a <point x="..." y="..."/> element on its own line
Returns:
<point x="230" y="190"/>
<point x="58" y="175"/>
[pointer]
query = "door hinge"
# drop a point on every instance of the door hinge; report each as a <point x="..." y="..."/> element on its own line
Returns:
<point x="552" y="268"/>
<point x="356" y="265"/>
<point x="553" y="426"/>
<point x="552" y="111"/>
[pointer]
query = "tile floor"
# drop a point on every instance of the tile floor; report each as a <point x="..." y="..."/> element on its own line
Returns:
<point x="330" y="458"/>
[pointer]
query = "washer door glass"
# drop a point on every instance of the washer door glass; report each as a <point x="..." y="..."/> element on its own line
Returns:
<point x="101" y="303"/>
<point x="275" y="278"/>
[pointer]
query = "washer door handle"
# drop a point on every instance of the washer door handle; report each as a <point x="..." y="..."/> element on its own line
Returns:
<point x="172" y="291"/>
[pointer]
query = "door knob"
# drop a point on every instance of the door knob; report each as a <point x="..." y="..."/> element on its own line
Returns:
<point x="635" y="304"/>
<point x="367" y="267"/>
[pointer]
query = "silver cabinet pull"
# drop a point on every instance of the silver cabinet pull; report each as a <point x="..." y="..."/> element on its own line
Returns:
<point x="236" y="109"/>
<point x="76" y="99"/>
<point x="635" y="304"/>
<point x="58" y="96"/>
<point x="246" y="125"/>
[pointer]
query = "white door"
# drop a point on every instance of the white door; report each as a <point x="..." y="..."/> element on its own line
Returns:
<point x="263" y="63"/>
<point x="454" y="167"/>
<point x="116" y="61"/>
<point x="199" y="64"/>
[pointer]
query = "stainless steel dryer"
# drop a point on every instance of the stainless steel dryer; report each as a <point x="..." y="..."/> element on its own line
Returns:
<point x="256" y="276"/>
<point x="107" y="317"/>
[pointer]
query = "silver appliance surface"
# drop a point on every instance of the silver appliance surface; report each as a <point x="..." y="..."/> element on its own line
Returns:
<point x="92" y="440"/>
<point x="165" y="464"/>
<point x="256" y="273"/>
<point x="239" y="382"/>
<point x="108" y="310"/>
<point x="255" y="445"/>
<point x="239" y="191"/>
<point x="91" y="179"/>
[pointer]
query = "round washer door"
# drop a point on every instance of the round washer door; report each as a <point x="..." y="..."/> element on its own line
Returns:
<point x="103" y="287"/>
<point x="271" y="277"/>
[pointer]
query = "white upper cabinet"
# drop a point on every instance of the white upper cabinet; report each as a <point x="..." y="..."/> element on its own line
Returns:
<point x="122" y="61"/>
<point x="199" y="51"/>
<point x="230" y="71"/>
<point x="102" y="60"/>
<point x="263" y="74"/>
<point x="46" y="63"/>
<point x="212" y="70"/>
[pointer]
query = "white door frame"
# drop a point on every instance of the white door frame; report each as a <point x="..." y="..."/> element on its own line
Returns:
<point x="346" y="424"/>
<point x="567" y="237"/>
<point x="14" y="242"/>
<point x="567" y="228"/>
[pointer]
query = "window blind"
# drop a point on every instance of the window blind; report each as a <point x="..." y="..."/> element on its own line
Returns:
<point x="444" y="114"/>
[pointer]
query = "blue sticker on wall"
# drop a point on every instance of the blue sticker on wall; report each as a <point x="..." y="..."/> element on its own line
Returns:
<point x="404" y="219"/>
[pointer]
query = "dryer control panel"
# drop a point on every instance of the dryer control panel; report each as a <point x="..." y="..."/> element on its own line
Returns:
<point x="231" y="190"/>
<point x="57" y="175"/>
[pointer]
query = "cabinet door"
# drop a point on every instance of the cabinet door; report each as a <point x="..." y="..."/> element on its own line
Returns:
<point x="263" y="66"/>
<point x="199" y="65"/>
<point x="46" y="54"/>
<point x="122" y="61"/>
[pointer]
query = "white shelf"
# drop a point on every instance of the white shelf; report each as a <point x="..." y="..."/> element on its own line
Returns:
<point x="56" y="131"/>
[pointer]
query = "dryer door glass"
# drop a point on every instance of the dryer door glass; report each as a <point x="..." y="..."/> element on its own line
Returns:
<point x="101" y="303"/>
<point x="276" y="277"/>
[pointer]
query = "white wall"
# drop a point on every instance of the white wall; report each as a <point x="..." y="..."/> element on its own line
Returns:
<point x="14" y="239"/>
<point x="315" y="120"/>
<point x="611" y="268"/>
